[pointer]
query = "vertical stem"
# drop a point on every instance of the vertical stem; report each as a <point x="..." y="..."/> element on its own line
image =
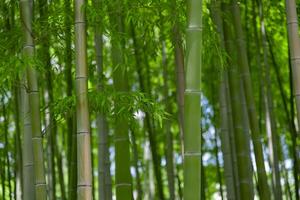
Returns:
<point x="28" y="171"/>
<point x="264" y="192"/>
<point x="294" y="56"/>
<point x="33" y="94"/>
<point x="225" y="115"/>
<point x="121" y="140"/>
<point x="84" y="171"/>
<point x="104" y="188"/>
<point x="19" y="158"/>
<point x="243" y="159"/>
<point x="169" y="134"/>
<point x="192" y="97"/>
<point x="270" y="117"/>
<point x="44" y="54"/>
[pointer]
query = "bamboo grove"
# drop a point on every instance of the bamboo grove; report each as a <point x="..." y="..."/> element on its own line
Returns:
<point x="149" y="100"/>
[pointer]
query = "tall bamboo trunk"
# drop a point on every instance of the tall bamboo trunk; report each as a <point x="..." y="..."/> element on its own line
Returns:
<point x="104" y="188"/>
<point x="224" y="120"/>
<point x="270" y="117"/>
<point x="225" y="144"/>
<point x="289" y="121"/>
<point x="71" y="134"/>
<point x="167" y="128"/>
<point x="33" y="94"/>
<point x="121" y="139"/>
<point x="231" y="134"/>
<point x="18" y="146"/>
<point x="179" y="69"/>
<point x="169" y="134"/>
<point x="294" y="49"/>
<point x="192" y="97"/>
<point x="264" y="192"/>
<point x="28" y="171"/>
<point x="84" y="171"/>
<point x="294" y="46"/>
<point x="243" y="159"/>
<point x="46" y="60"/>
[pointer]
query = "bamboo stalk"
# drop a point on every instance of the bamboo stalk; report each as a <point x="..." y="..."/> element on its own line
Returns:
<point x="243" y="158"/>
<point x="224" y="114"/>
<point x="18" y="146"/>
<point x="264" y="192"/>
<point x="33" y="94"/>
<point x="84" y="170"/>
<point x="294" y="56"/>
<point x="192" y="97"/>
<point x="121" y="139"/>
<point x="28" y="173"/>
<point x="270" y="117"/>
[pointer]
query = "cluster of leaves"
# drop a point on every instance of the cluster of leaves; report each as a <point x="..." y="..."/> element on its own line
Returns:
<point x="114" y="105"/>
<point x="118" y="105"/>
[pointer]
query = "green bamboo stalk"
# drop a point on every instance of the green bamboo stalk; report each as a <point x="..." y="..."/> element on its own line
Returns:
<point x="225" y="144"/>
<point x="294" y="56"/>
<point x="224" y="107"/>
<point x="270" y="117"/>
<point x="232" y="138"/>
<point x="264" y="192"/>
<point x="32" y="84"/>
<point x="289" y="121"/>
<point x="192" y="97"/>
<point x="104" y="178"/>
<point x="44" y="54"/>
<point x="169" y="135"/>
<point x="294" y="46"/>
<point x="18" y="147"/>
<point x="167" y="128"/>
<point x="179" y="68"/>
<point x="18" y="172"/>
<point x="28" y="172"/>
<point x="243" y="158"/>
<point x="84" y="170"/>
<point x="71" y="134"/>
<point x="122" y="155"/>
